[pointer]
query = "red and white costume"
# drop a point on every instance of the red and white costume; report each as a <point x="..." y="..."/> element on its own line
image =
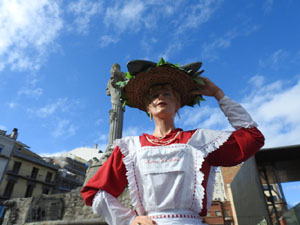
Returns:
<point x="171" y="184"/>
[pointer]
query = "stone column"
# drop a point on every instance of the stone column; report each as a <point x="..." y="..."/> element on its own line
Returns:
<point x="115" y="118"/>
<point x="116" y="112"/>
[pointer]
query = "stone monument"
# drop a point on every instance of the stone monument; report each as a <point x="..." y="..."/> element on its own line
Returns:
<point x="115" y="117"/>
<point x="116" y="112"/>
<point x="69" y="208"/>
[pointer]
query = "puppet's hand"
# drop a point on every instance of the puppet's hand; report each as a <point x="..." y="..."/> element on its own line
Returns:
<point x="209" y="89"/>
<point x="142" y="220"/>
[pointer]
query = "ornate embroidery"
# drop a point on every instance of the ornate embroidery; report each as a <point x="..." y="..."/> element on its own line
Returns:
<point x="137" y="185"/>
<point x="195" y="178"/>
<point x="161" y="216"/>
<point x="175" y="159"/>
<point x="134" y="190"/>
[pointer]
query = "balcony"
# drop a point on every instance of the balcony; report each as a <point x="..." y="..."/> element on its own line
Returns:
<point x="228" y="218"/>
<point x="28" y="177"/>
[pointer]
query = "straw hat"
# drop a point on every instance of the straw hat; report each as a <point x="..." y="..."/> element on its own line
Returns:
<point x="142" y="75"/>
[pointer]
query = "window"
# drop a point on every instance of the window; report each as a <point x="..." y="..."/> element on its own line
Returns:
<point x="1" y="148"/>
<point x="218" y="213"/>
<point x="48" y="177"/>
<point x="227" y="213"/>
<point x="265" y="186"/>
<point x="16" y="167"/>
<point x="269" y="198"/>
<point x="34" y="172"/>
<point x="9" y="188"/>
<point x="29" y="190"/>
<point x="46" y="191"/>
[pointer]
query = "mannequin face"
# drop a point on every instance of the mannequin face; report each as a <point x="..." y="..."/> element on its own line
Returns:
<point x="163" y="103"/>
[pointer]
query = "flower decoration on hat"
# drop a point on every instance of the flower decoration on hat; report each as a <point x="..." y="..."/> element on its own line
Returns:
<point x="142" y="75"/>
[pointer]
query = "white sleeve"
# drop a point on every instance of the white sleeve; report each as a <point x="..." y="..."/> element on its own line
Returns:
<point x="238" y="117"/>
<point x="111" y="209"/>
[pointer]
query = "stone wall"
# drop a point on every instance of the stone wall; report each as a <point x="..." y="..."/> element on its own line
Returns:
<point x="40" y="211"/>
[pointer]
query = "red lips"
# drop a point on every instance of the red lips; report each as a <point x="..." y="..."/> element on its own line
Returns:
<point x="161" y="103"/>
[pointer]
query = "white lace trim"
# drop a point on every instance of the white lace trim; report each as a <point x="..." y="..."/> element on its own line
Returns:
<point x="133" y="186"/>
<point x="210" y="186"/>
<point x="198" y="189"/>
<point x="200" y="153"/>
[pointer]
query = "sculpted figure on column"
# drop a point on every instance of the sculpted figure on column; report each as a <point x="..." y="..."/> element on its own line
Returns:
<point x="116" y="112"/>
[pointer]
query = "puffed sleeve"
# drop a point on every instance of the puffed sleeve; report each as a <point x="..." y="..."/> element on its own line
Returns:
<point x="241" y="145"/>
<point x="110" y="177"/>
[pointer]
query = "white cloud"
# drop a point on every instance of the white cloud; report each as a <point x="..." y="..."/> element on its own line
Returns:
<point x="274" y="106"/>
<point x="171" y="48"/>
<point x="133" y="15"/>
<point x="198" y="14"/>
<point x="61" y="105"/>
<point x="37" y="92"/>
<point x="12" y="104"/>
<point x="125" y="17"/>
<point x="105" y="40"/>
<point x="209" y="49"/>
<point x="275" y="59"/>
<point x="27" y="31"/>
<point x="64" y="128"/>
<point x="203" y="117"/>
<point x="257" y="81"/>
<point x="83" y="11"/>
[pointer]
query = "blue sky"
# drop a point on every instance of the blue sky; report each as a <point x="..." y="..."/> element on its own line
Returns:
<point x="55" y="58"/>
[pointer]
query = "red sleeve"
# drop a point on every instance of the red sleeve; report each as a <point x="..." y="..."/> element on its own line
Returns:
<point x="110" y="177"/>
<point x="240" y="146"/>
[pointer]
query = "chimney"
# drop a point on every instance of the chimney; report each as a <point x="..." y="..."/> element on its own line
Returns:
<point x="14" y="134"/>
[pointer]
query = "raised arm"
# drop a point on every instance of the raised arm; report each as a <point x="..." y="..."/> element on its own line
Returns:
<point x="245" y="141"/>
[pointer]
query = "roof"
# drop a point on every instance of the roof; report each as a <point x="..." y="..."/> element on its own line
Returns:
<point x="284" y="160"/>
<point x="282" y="153"/>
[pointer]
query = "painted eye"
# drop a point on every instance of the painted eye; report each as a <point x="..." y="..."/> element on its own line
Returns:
<point x="167" y="94"/>
<point x="155" y="96"/>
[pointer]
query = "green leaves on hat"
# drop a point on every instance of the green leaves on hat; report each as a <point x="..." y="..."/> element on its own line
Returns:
<point x="199" y="80"/>
<point x="198" y="99"/>
<point x="122" y="84"/>
<point x="162" y="62"/>
<point x="190" y="69"/>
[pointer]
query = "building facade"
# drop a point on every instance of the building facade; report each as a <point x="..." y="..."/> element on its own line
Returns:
<point x="7" y="143"/>
<point x="25" y="173"/>
<point x="220" y="211"/>
<point x="71" y="172"/>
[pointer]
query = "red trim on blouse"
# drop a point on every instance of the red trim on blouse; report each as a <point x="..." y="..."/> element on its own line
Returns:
<point x="111" y="176"/>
